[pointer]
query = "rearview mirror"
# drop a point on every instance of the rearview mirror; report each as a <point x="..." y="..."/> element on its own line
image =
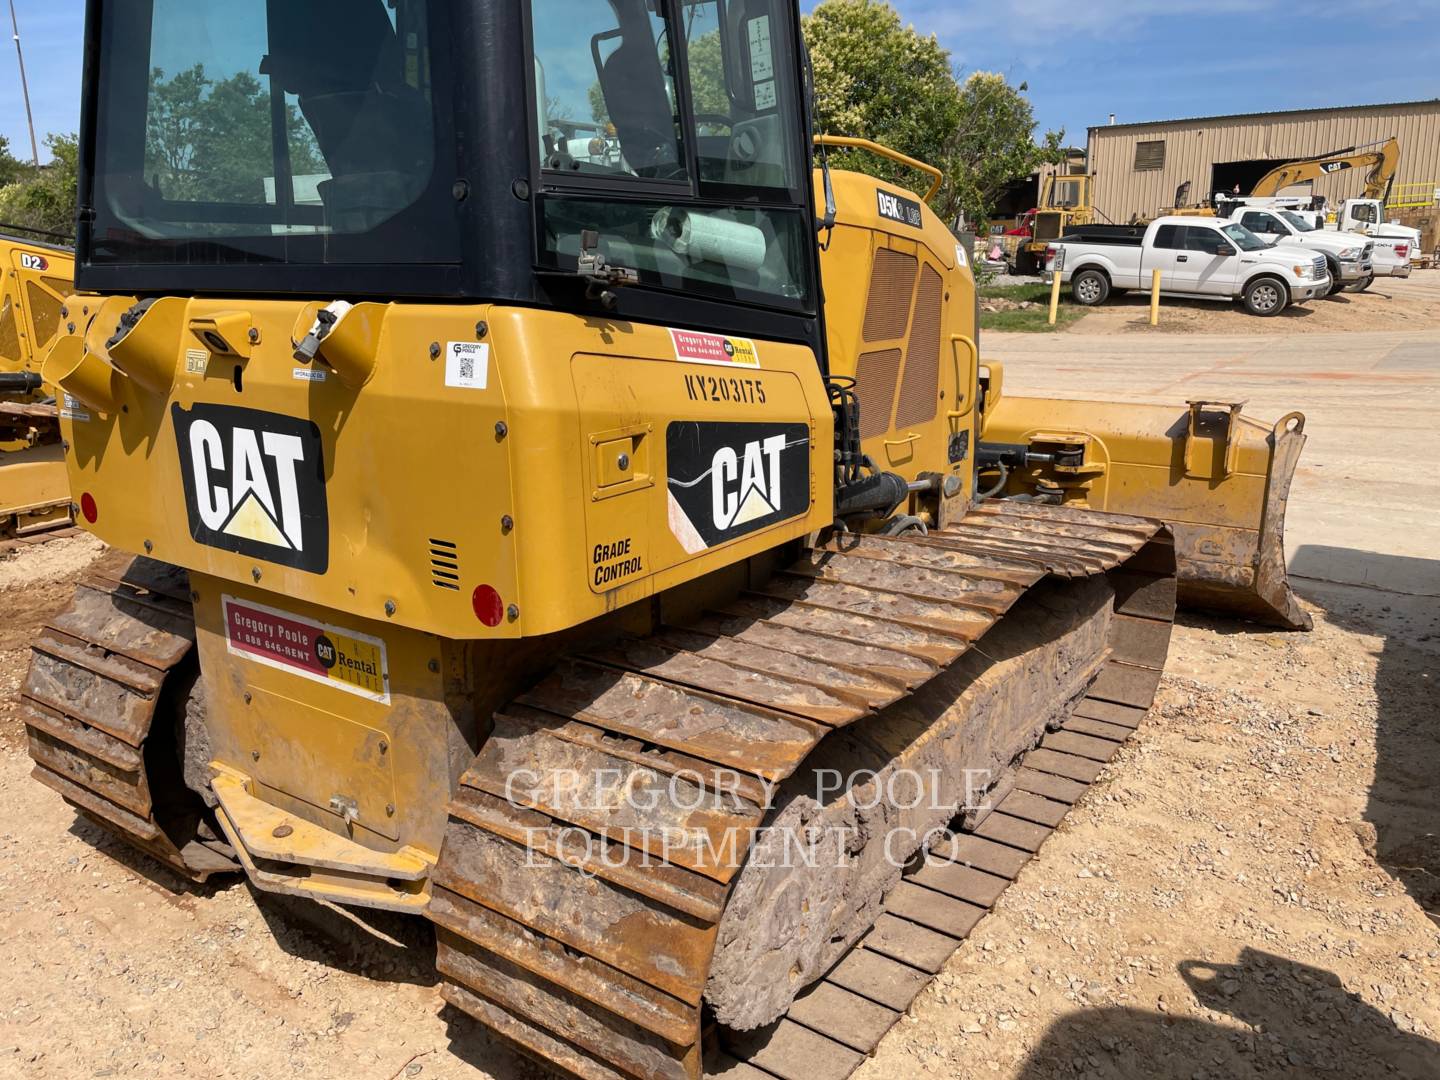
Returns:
<point x="1224" y="249"/>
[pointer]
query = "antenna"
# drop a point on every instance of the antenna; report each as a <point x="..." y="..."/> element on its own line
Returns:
<point x="24" y="85"/>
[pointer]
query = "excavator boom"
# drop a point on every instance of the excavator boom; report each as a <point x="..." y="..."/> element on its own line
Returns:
<point x="1381" y="158"/>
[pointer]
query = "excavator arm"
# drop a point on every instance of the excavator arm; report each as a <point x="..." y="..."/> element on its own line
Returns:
<point x="1382" y="159"/>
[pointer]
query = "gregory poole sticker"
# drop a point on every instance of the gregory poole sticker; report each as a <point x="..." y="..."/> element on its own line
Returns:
<point x="693" y="347"/>
<point x="314" y="650"/>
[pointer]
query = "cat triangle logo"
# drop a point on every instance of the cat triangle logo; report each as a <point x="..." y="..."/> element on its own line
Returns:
<point x="753" y="507"/>
<point x="252" y="521"/>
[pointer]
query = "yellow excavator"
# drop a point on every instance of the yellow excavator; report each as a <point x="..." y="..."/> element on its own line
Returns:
<point x="34" y="494"/>
<point x="1381" y="158"/>
<point x="618" y="553"/>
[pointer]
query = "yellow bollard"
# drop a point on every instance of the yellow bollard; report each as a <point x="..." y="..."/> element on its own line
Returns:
<point x="1155" y="299"/>
<point x="1055" y="298"/>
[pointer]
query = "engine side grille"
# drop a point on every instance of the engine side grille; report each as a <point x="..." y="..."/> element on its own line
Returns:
<point x="875" y="376"/>
<point x="445" y="564"/>
<point x="892" y="283"/>
<point x="919" y="391"/>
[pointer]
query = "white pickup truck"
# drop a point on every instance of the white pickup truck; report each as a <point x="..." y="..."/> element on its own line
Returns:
<point x="1395" y="244"/>
<point x="1349" y="257"/>
<point x="1201" y="258"/>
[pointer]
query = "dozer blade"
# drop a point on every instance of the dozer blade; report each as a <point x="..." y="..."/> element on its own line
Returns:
<point x="1218" y="478"/>
<point x="607" y="897"/>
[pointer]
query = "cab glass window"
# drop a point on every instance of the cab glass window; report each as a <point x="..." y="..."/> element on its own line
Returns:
<point x="605" y="89"/>
<point x="1199" y="238"/>
<point x="268" y="129"/>
<point x="1168" y="237"/>
<point x="1242" y="237"/>
<point x="671" y="131"/>
<point x="745" y="108"/>
<point x="1261" y="223"/>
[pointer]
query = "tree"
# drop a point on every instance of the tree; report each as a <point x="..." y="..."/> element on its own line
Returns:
<point x="44" y="198"/>
<point x="878" y="79"/>
<point x="12" y="168"/>
<point x="993" y="146"/>
<point x="882" y="80"/>
<point x="209" y="140"/>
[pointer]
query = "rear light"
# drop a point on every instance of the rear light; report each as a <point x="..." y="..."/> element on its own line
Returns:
<point x="489" y="608"/>
<point x="1402" y="250"/>
<point x="88" y="507"/>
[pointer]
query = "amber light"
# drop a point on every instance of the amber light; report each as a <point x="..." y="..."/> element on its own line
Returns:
<point x="489" y="608"/>
<point x="88" y="507"/>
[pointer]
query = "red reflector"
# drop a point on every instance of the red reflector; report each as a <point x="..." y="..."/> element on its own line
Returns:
<point x="488" y="607"/>
<point x="88" y="507"/>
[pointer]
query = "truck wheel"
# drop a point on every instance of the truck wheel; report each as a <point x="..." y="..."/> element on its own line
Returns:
<point x="1363" y="284"/>
<point x="1090" y="287"/>
<point x="1266" y="296"/>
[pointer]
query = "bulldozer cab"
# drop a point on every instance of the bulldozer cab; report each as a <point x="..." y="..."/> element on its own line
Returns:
<point x="342" y="148"/>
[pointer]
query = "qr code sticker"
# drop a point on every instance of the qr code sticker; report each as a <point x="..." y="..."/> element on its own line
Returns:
<point x="467" y="365"/>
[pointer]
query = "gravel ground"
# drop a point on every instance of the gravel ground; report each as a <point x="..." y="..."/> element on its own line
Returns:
<point x="1244" y="896"/>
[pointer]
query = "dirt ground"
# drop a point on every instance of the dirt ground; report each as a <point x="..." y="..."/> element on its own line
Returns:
<point x="1389" y="304"/>
<point x="1244" y="896"/>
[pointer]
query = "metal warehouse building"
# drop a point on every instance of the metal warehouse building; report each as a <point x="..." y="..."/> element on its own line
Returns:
<point x="1139" y="167"/>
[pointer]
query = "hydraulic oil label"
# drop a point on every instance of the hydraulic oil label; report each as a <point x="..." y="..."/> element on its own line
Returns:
<point x="314" y="650"/>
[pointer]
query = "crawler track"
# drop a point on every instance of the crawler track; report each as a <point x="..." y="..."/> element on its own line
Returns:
<point x="565" y="925"/>
<point x="94" y="706"/>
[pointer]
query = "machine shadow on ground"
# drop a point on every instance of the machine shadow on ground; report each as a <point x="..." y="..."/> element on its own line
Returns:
<point x="1294" y="1021"/>
<point x="1139" y="303"/>
<point x="155" y="875"/>
<point x="1403" y="806"/>
<point x="472" y="1043"/>
<point x="374" y="944"/>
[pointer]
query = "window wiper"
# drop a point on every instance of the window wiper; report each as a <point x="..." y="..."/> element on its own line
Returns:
<point x="601" y="278"/>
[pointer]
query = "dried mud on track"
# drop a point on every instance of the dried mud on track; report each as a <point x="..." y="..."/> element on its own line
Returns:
<point x="1215" y="908"/>
<point x="1412" y="303"/>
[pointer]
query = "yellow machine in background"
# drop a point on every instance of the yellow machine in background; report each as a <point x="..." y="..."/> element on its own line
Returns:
<point x="1381" y="158"/>
<point x="1064" y="203"/>
<point x="34" y="494"/>
<point x="525" y="528"/>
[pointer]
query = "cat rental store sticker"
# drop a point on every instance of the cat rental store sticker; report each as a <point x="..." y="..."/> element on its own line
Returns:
<point x="696" y="348"/>
<point x="313" y="650"/>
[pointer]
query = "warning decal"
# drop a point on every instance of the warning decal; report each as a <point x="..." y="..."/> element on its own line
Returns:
<point x="313" y="650"/>
<point x="693" y="347"/>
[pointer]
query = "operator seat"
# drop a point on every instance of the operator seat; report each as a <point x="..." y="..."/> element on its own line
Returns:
<point x="343" y="62"/>
<point x="635" y="96"/>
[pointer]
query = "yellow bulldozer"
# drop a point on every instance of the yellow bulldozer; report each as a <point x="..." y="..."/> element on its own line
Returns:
<point x="37" y="277"/>
<point x="616" y="552"/>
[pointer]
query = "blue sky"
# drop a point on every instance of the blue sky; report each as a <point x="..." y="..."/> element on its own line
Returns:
<point x="1140" y="59"/>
